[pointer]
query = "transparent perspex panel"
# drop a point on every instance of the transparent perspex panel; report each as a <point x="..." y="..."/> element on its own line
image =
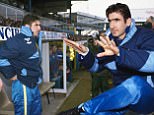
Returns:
<point x="56" y="64"/>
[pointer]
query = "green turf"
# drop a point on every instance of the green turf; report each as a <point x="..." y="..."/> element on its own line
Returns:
<point x="81" y="92"/>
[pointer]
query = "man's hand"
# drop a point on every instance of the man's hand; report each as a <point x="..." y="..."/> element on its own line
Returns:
<point x="108" y="45"/>
<point x="1" y="84"/>
<point x="78" y="47"/>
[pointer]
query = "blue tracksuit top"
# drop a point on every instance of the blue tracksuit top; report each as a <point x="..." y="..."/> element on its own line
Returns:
<point x="20" y="56"/>
<point x="136" y="56"/>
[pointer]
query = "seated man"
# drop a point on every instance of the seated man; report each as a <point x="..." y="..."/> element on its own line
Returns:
<point x="128" y="53"/>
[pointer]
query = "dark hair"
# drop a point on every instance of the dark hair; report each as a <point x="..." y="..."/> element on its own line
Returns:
<point x="123" y="9"/>
<point x="29" y="19"/>
<point x="148" y="25"/>
<point x="152" y="18"/>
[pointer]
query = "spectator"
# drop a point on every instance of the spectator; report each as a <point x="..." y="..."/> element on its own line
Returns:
<point x="149" y="23"/>
<point x="1" y="84"/>
<point x="68" y="63"/>
<point x="69" y="67"/>
<point x="55" y="71"/>
<point x="1" y="20"/>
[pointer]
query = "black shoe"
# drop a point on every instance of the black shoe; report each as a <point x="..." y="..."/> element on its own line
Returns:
<point x="74" y="111"/>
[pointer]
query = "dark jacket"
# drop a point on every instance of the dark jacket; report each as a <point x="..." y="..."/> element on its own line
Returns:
<point x="20" y="56"/>
<point x="136" y="56"/>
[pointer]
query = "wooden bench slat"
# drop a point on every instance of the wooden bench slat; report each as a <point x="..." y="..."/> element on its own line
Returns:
<point x="45" y="87"/>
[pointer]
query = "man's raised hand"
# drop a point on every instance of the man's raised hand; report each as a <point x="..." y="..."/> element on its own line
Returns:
<point x="108" y="45"/>
<point x="76" y="46"/>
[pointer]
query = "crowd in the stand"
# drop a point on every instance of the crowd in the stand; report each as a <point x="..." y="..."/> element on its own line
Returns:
<point x="12" y="23"/>
<point x="9" y="22"/>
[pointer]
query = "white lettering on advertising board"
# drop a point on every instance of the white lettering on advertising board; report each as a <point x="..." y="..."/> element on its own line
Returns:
<point x="8" y="32"/>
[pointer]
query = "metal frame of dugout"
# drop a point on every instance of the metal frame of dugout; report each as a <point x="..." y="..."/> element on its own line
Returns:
<point x="53" y="36"/>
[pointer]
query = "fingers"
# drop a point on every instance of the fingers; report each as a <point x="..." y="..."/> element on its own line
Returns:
<point x="101" y="54"/>
<point x="69" y="42"/>
<point x="75" y="46"/>
<point x="108" y="45"/>
<point x="102" y="34"/>
<point x="105" y="39"/>
<point x="113" y="43"/>
<point x="104" y="42"/>
<point x="100" y="43"/>
<point x="108" y="40"/>
<point x="106" y="53"/>
<point x="83" y="49"/>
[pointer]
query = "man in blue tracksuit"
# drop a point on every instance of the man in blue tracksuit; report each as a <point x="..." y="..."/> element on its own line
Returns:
<point x="128" y="54"/>
<point x="20" y="62"/>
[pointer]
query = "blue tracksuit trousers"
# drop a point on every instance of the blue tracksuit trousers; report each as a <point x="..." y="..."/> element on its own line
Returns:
<point x="134" y="94"/>
<point x="27" y="101"/>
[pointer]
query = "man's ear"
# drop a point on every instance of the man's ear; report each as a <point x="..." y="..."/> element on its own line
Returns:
<point x="128" y="21"/>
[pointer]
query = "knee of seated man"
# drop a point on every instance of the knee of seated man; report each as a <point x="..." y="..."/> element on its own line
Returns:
<point x="134" y="84"/>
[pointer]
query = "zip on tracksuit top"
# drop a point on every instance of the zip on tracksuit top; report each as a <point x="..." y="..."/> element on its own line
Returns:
<point x="20" y="56"/>
<point x="136" y="56"/>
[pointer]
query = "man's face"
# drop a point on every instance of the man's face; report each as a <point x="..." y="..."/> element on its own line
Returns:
<point x="118" y="25"/>
<point x="36" y="27"/>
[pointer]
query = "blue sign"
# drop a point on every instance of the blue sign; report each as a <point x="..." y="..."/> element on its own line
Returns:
<point x="8" y="32"/>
